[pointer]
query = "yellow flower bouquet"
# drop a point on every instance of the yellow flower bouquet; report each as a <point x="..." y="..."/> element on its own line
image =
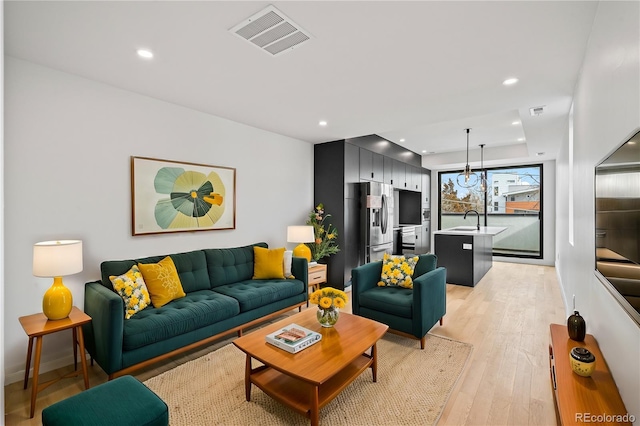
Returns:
<point x="329" y="301"/>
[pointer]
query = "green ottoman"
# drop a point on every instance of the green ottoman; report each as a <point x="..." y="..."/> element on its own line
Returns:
<point x="122" y="401"/>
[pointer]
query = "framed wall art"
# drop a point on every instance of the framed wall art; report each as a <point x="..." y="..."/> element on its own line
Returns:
<point x="173" y="196"/>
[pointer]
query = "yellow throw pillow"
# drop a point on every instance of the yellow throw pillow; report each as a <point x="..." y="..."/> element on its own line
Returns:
<point x="397" y="270"/>
<point x="268" y="263"/>
<point x="131" y="287"/>
<point x="162" y="281"/>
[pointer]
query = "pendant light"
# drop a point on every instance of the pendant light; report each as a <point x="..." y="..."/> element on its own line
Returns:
<point x="483" y="172"/>
<point x="468" y="179"/>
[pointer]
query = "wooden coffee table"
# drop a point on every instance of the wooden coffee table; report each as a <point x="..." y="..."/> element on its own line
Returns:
<point x="306" y="381"/>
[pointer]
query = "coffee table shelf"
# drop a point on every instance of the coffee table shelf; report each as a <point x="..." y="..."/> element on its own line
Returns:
<point x="297" y="394"/>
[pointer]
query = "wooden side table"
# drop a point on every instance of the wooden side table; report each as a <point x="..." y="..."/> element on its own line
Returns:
<point x="317" y="276"/>
<point x="580" y="399"/>
<point x="37" y="326"/>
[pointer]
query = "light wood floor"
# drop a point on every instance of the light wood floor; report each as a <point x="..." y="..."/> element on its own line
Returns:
<point x="505" y="317"/>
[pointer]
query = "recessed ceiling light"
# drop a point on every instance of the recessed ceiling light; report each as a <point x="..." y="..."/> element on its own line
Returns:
<point x="510" y="81"/>
<point x="520" y="139"/>
<point x="145" y="53"/>
<point x="424" y="151"/>
<point x="322" y="123"/>
<point x="401" y="140"/>
<point x="515" y="123"/>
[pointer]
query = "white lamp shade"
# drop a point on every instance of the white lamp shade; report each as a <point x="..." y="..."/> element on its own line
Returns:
<point x="57" y="258"/>
<point x="300" y="234"/>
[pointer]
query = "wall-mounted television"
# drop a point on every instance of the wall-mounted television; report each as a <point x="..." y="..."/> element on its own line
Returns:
<point x="617" y="222"/>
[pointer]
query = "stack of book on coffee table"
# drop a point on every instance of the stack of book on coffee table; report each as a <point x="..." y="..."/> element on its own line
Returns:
<point x="293" y="338"/>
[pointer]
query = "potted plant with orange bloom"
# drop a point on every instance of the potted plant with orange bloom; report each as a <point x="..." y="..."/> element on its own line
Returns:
<point x="325" y="238"/>
<point x="329" y="301"/>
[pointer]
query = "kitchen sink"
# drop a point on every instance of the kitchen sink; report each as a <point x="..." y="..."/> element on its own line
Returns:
<point x="463" y="228"/>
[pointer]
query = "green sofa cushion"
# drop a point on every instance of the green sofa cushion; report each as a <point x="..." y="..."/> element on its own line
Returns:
<point x="230" y="265"/>
<point x="393" y="300"/>
<point x="191" y="266"/>
<point x="195" y="310"/>
<point x="252" y="294"/>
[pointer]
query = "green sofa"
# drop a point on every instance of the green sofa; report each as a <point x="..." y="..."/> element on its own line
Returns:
<point x="410" y="312"/>
<point x="221" y="299"/>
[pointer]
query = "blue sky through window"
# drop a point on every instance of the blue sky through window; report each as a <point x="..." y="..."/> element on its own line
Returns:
<point x="528" y="175"/>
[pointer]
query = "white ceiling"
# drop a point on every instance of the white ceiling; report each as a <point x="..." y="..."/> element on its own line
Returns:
<point x="419" y="70"/>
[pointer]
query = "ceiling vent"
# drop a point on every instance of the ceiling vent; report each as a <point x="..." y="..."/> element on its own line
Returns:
<point x="271" y="31"/>
<point x="535" y="111"/>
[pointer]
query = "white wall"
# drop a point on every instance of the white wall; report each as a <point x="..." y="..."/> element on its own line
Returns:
<point x="606" y="112"/>
<point x="67" y="149"/>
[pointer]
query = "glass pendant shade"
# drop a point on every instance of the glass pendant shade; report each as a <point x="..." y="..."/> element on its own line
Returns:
<point x="483" y="172"/>
<point x="467" y="179"/>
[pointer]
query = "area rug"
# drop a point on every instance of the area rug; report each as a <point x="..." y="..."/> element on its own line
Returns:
<point x="412" y="389"/>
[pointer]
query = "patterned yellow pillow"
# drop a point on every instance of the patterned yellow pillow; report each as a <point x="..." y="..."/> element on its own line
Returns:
<point x="268" y="263"/>
<point x="397" y="270"/>
<point x="131" y="287"/>
<point x="162" y="281"/>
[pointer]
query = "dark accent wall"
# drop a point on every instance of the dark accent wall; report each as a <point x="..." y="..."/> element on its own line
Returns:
<point x="336" y="173"/>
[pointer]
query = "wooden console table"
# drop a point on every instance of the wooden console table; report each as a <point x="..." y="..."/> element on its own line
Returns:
<point x="579" y="399"/>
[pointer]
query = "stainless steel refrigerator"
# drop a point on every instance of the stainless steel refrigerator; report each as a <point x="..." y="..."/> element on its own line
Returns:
<point x="376" y="221"/>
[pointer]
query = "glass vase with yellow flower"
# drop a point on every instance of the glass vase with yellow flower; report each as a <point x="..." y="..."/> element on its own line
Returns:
<point x="329" y="301"/>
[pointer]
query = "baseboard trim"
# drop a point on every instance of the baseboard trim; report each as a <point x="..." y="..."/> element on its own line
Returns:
<point x="45" y="367"/>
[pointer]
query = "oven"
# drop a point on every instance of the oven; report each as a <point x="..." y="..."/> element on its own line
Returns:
<point x="408" y="239"/>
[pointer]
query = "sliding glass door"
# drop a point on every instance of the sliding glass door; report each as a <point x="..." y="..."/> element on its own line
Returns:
<point x="513" y="200"/>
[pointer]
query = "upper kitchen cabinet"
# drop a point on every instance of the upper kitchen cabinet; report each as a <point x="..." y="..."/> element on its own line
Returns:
<point x="371" y="166"/>
<point x="415" y="178"/>
<point x="387" y="170"/>
<point x="406" y="177"/>
<point x="426" y="189"/>
<point x="400" y="175"/>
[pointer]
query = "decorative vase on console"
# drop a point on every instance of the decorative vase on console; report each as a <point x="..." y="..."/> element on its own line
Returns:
<point x="575" y="325"/>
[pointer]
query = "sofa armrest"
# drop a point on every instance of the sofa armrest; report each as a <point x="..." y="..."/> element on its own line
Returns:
<point x="104" y="334"/>
<point x="429" y="299"/>
<point x="300" y="270"/>
<point x="363" y="278"/>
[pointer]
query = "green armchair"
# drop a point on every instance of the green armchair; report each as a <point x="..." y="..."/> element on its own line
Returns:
<point x="408" y="312"/>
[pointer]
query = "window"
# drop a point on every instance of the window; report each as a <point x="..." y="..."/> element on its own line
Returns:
<point x="515" y="203"/>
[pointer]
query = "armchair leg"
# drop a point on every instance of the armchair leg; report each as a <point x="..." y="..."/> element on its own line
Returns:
<point x="441" y="320"/>
<point x="423" y="339"/>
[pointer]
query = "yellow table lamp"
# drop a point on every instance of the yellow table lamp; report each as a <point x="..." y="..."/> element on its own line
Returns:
<point x="56" y="259"/>
<point x="301" y="234"/>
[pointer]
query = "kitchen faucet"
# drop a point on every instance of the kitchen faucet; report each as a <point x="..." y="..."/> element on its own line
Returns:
<point x="477" y="214"/>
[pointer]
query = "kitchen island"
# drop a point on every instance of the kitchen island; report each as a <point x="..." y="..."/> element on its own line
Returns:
<point x="466" y="252"/>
